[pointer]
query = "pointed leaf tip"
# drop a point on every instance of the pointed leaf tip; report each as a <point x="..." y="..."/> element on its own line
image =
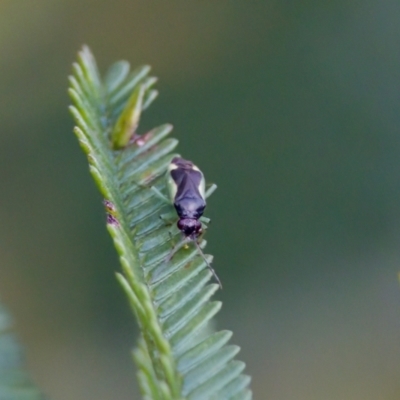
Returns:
<point x="116" y="75"/>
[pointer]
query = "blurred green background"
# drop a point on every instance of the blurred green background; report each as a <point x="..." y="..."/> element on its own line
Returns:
<point x="293" y="109"/>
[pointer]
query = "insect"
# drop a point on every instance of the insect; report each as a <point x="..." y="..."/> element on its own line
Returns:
<point x="187" y="192"/>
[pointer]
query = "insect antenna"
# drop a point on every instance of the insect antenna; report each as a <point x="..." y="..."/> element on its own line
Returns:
<point x="208" y="264"/>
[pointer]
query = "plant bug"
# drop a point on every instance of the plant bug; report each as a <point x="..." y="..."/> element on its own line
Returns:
<point x="187" y="192"/>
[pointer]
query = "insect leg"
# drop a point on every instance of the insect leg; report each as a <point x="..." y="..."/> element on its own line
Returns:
<point x="205" y="220"/>
<point x="156" y="191"/>
<point x="160" y="195"/>
<point x="211" y="190"/>
<point x="176" y="248"/>
<point x="169" y="217"/>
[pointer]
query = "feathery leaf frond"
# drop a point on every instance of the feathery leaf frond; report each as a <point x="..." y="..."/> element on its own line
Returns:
<point x="178" y="356"/>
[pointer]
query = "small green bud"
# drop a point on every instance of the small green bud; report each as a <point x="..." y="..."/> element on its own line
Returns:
<point x="128" y="121"/>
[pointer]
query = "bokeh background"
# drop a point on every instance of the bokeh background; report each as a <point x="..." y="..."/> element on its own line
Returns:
<point x="293" y="109"/>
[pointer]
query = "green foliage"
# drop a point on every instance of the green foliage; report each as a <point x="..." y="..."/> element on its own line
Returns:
<point x="14" y="382"/>
<point x="178" y="355"/>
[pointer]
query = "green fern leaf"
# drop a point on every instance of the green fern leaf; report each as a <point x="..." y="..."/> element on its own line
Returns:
<point x="14" y="382"/>
<point x="178" y="355"/>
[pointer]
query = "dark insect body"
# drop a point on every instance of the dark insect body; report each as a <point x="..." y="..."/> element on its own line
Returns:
<point x="187" y="191"/>
<point x="186" y="186"/>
